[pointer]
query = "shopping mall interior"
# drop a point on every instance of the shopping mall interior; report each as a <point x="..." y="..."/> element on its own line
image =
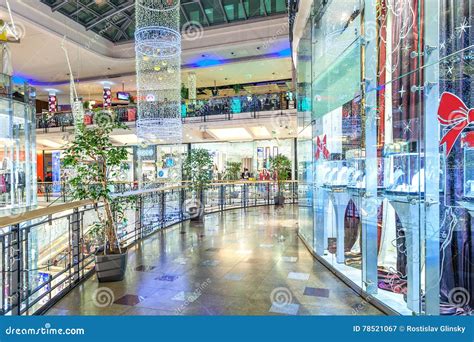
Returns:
<point x="237" y="157"/>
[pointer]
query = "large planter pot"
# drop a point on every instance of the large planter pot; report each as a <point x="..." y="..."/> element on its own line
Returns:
<point x="110" y="267"/>
<point x="279" y="200"/>
<point x="196" y="214"/>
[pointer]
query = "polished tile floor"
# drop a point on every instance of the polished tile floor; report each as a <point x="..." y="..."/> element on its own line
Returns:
<point x="239" y="262"/>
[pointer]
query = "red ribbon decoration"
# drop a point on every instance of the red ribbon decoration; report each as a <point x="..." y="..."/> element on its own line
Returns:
<point x="454" y="113"/>
<point x="321" y="147"/>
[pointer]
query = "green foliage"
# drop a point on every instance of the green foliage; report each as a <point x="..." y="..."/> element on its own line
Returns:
<point x="94" y="161"/>
<point x="233" y="170"/>
<point x="197" y="168"/>
<point x="281" y="164"/>
<point x="184" y="92"/>
<point x="237" y="88"/>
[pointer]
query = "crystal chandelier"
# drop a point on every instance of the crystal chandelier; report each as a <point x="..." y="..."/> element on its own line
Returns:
<point x="158" y="65"/>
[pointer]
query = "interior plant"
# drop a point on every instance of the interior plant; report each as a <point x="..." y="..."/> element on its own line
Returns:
<point x="237" y="88"/>
<point x="233" y="170"/>
<point x="95" y="162"/>
<point x="281" y="167"/>
<point x="197" y="169"/>
<point x="184" y="92"/>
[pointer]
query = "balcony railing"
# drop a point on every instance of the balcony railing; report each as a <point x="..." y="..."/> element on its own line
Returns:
<point x="46" y="252"/>
<point x="202" y="108"/>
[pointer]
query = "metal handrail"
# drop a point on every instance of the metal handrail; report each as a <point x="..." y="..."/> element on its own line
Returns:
<point x="65" y="254"/>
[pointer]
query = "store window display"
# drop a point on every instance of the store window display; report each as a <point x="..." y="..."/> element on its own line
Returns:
<point x="17" y="148"/>
<point x="392" y="158"/>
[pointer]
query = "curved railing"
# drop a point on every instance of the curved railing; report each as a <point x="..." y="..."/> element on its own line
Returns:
<point x="46" y="252"/>
<point x="204" y="109"/>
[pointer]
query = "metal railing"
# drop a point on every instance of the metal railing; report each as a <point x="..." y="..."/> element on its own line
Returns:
<point x="46" y="252"/>
<point x="214" y="106"/>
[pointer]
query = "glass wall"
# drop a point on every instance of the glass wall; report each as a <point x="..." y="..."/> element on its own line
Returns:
<point x="391" y="103"/>
<point x="158" y="164"/>
<point x="253" y="155"/>
<point x="17" y="147"/>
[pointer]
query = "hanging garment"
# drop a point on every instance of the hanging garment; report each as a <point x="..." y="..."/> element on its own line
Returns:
<point x="3" y="185"/>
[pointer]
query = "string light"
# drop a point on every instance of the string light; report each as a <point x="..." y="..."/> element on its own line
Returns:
<point x="158" y="65"/>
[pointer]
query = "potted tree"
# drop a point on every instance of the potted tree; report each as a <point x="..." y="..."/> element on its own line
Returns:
<point x="281" y="167"/>
<point x="95" y="162"/>
<point x="233" y="173"/>
<point x="233" y="170"/>
<point x="197" y="168"/>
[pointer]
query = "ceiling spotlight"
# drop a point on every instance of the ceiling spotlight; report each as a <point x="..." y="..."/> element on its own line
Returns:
<point x="157" y="68"/>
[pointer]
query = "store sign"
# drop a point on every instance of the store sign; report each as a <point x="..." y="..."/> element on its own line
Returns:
<point x="52" y="103"/>
<point x="146" y="153"/>
<point x="107" y="97"/>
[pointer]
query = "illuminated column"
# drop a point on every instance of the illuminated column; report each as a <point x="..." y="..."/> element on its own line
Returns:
<point x="107" y="97"/>
<point x="52" y="102"/>
<point x="158" y="65"/>
<point x="192" y="87"/>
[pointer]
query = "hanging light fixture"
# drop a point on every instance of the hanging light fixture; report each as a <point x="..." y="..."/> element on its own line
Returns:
<point x="158" y="65"/>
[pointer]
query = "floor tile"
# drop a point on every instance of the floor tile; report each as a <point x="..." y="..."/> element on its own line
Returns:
<point x="287" y="309"/>
<point x="298" y="276"/>
<point x="144" y="268"/>
<point x="316" y="292"/>
<point x="289" y="259"/>
<point x="233" y="276"/>
<point x="129" y="299"/>
<point x="167" y="277"/>
<point x="229" y="271"/>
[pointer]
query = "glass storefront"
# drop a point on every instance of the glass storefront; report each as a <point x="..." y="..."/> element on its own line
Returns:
<point x="158" y="164"/>
<point x="253" y="155"/>
<point x="17" y="147"/>
<point x="389" y="88"/>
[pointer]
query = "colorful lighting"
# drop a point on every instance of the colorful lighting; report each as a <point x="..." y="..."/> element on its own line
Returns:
<point x="158" y="65"/>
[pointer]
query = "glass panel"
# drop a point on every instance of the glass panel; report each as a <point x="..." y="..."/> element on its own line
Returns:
<point x="234" y="10"/>
<point x="194" y="13"/>
<point x="213" y="11"/>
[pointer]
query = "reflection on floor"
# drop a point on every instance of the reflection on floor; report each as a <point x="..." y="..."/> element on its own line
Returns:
<point x="240" y="262"/>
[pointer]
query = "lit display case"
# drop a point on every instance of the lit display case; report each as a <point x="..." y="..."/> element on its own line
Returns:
<point x="468" y="165"/>
<point x="403" y="169"/>
<point x="336" y="174"/>
<point x="355" y="160"/>
<point x="17" y="147"/>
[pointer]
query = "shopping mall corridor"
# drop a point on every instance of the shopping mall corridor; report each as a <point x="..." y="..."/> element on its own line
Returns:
<point x="238" y="262"/>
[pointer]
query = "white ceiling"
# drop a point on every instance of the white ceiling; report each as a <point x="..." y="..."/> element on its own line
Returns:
<point x="249" y="51"/>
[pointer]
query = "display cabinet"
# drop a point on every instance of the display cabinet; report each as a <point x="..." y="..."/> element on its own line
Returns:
<point x="403" y="169"/>
<point x="17" y="147"/>
<point x="468" y="165"/>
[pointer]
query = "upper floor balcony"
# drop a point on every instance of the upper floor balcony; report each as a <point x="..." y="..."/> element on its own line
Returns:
<point x="213" y="109"/>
